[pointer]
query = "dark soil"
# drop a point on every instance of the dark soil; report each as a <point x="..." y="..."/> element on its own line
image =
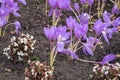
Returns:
<point x="33" y="20"/>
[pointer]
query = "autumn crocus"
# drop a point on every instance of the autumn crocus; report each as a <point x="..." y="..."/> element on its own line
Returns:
<point x="70" y="22"/>
<point x="50" y="32"/>
<point x="89" y="46"/>
<point x="115" y="9"/>
<point x="84" y="18"/>
<point x="80" y="30"/>
<point x="62" y="37"/>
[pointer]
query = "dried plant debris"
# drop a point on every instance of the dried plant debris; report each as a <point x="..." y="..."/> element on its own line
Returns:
<point x="20" y="48"/>
<point x="38" y="71"/>
<point x="107" y="71"/>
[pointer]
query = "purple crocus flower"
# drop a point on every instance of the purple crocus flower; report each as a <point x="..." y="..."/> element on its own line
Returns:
<point x="89" y="46"/>
<point x="99" y="26"/>
<point x="50" y="33"/>
<point x="108" y="32"/>
<point x="84" y="18"/>
<point x="4" y="11"/>
<point x="62" y="37"/>
<point x="76" y="6"/>
<point x="53" y="3"/>
<point x="106" y="18"/>
<point x="116" y="22"/>
<point x="90" y="2"/>
<point x="3" y="21"/>
<point x="80" y="30"/>
<point x="64" y="4"/>
<point x="115" y="9"/>
<point x="70" y="22"/>
<point x="17" y="26"/>
<point x="83" y="1"/>
<point x="107" y="59"/>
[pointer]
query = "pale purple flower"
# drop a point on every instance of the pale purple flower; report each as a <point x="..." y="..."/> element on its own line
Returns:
<point x="107" y="59"/>
<point x="64" y="4"/>
<point x="115" y="9"/>
<point x="83" y="1"/>
<point x="84" y="18"/>
<point x="17" y="26"/>
<point x="53" y="3"/>
<point x="89" y="46"/>
<point x="76" y="6"/>
<point x="99" y="26"/>
<point x="70" y="22"/>
<point x="108" y="32"/>
<point x="4" y="11"/>
<point x="50" y="33"/>
<point x="116" y="22"/>
<point x="80" y="30"/>
<point x="62" y="37"/>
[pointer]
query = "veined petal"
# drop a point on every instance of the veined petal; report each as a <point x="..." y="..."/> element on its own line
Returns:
<point x="60" y="46"/>
<point x="107" y="59"/>
<point x="105" y="37"/>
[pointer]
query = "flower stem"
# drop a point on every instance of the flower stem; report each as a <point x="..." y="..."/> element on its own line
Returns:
<point x="82" y="60"/>
<point x="75" y="14"/>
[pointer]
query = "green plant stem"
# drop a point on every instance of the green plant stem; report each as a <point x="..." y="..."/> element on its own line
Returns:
<point x="90" y="10"/>
<point x="46" y="7"/>
<point x="53" y="18"/>
<point x="97" y="43"/>
<point x="6" y="28"/>
<point x="103" y="4"/>
<point x="98" y="8"/>
<point x="0" y="32"/>
<point x="82" y="60"/>
<point x="75" y="14"/>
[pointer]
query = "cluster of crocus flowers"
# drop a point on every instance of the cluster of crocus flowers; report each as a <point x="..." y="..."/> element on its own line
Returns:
<point x="7" y="8"/>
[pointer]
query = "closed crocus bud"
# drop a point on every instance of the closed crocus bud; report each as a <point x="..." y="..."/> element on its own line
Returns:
<point x="3" y="22"/>
<point x="64" y="4"/>
<point x="53" y="3"/>
<point x="115" y="9"/>
<point x="76" y="6"/>
<point x="17" y="26"/>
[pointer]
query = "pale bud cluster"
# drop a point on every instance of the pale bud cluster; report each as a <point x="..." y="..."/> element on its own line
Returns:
<point x="20" y="48"/>
<point x="38" y="71"/>
<point x="107" y="71"/>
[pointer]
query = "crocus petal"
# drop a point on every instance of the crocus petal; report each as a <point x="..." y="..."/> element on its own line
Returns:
<point x="23" y="2"/>
<point x="60" y="46"/>
<point x="16" y="14"/>
<point x="76" y="6"/>
<point x="74" y="55"/>
<point x="107" y="59"/>
<point x="115" y="9"/>
<point x="105" y="37"/>
<point x="17" y="26"/>
<point x="89" y="51"/>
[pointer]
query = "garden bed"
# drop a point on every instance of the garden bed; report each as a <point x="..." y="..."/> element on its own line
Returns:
<point x="33" y="20"/>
